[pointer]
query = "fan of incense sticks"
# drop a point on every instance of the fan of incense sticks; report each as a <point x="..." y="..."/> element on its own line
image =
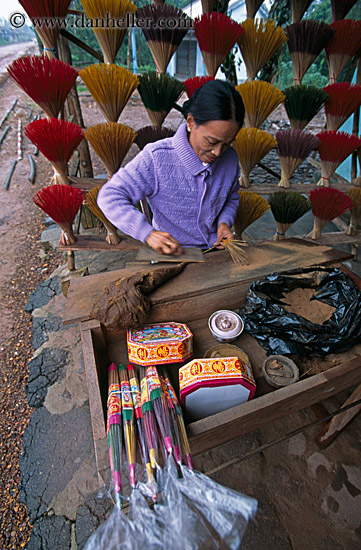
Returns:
<point x="260" y="40"/>
<point x="61" y="203"/>
<point x="299" y="7"/>
<point x="111" y="87"/>
<point x="192" y="84"/>
<point x="55" y="10"/>
<point x="355" y="213"/>
<point x="306" y="40"/>
<point x="236" y="249"/>
<point x="327" y="204"/>
<point x="114" y="430"/>
<point x="287" y="207"/>
<point x="150" y="134"/>
<point x="344" y="99"/>
<point x="250" y="208"/>
<point x="260" y="100"/>
<point x="163" y="40"/>
<point x="91" y="202"/>
<point x="333" y="149"/>
<point x="110" y="37"/>
<point x="46" y="81"/>
<point x="251" y="145"/>
<point x="303" y="103"/>
<point x="340" y="8"/>
<point x="345" y="43"/>
<point x="159" y="93"/>
<point x="111" y="141"/>
<point x="57" y="140"/>
<point x="253" y="7"/>
<point x="294" y="146"/>
<point x="216" y="34"/>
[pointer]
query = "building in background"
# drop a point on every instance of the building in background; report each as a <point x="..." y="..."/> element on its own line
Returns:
<point x="187" y="60"/>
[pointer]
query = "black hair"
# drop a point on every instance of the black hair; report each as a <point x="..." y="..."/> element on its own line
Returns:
<point x="215" y="100"/>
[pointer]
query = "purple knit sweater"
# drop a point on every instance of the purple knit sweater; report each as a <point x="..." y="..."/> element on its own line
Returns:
<point x="188" y="198"/>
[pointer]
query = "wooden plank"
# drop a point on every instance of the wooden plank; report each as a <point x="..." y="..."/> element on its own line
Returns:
<point x="216" y="274"/>
<point x="232" y="423"/>
<point x="339" y="422"/>
<point x="82" y="45"/>
<point x="270" y="188"/>
<point x="336" y="237"/>
<point x="93" y="382"/>
<point x="98" y="242"/>
<point x="86" y="183"/>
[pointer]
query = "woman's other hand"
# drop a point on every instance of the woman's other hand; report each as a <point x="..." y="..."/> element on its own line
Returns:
<point x="223" y="232"/>
<point x="163" y="243"/>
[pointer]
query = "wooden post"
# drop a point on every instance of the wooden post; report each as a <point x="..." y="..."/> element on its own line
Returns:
<point x="88" y="220"/>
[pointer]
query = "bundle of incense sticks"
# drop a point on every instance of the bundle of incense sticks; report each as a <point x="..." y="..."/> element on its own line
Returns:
<point x="128" y="423"/>
<point x="114" y="429"/>
<point x="137" y="405"/>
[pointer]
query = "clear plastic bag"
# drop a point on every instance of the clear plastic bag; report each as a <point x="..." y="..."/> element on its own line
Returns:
<point x="193" y="513"/>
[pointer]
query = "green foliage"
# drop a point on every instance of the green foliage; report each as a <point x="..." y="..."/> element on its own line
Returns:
<point x="10" y="35"/>
<point x="280" y="70"/>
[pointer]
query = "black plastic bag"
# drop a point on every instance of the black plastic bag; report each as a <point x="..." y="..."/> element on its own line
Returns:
<point x="281" y="332"/>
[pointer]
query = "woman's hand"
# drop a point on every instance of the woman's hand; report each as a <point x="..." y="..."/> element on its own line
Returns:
<point x="223" y="232"/>
<point x="163" y="243"/>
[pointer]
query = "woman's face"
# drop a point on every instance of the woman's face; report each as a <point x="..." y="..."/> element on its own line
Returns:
<point x="210" y="139"/>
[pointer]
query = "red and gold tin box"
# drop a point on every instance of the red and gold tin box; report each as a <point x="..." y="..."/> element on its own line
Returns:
<point x="161" y="343"/>
<point x="208" y="386"/>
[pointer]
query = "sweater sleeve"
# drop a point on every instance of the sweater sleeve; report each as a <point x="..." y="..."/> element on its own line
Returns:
<point x="119" y="196"/>
<point x="229" y="211"/>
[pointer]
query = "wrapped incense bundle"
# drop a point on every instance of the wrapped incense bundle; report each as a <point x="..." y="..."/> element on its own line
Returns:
<point x="128" y="423"/>
<point x="114" y="429"/>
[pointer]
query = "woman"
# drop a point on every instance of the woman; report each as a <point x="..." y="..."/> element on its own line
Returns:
<point x="190" y="180"/>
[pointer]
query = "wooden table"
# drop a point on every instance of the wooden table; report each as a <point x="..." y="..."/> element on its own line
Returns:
<point x="191" y="297"/>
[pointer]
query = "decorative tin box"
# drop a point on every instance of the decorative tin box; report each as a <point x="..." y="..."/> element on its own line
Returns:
<point x="160" y="344"/>
<point x="208" y="386"/>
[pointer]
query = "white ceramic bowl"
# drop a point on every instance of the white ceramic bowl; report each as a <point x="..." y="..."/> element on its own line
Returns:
<point x="225" y="325"/>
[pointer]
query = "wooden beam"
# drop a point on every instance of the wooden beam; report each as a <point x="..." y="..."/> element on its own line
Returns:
<point x="82" y="45"/>
<point x="98" y="242"/>
<point x="270" y="188"/>
<point x="339" y="422"/>
<point x="225" y="426"/>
